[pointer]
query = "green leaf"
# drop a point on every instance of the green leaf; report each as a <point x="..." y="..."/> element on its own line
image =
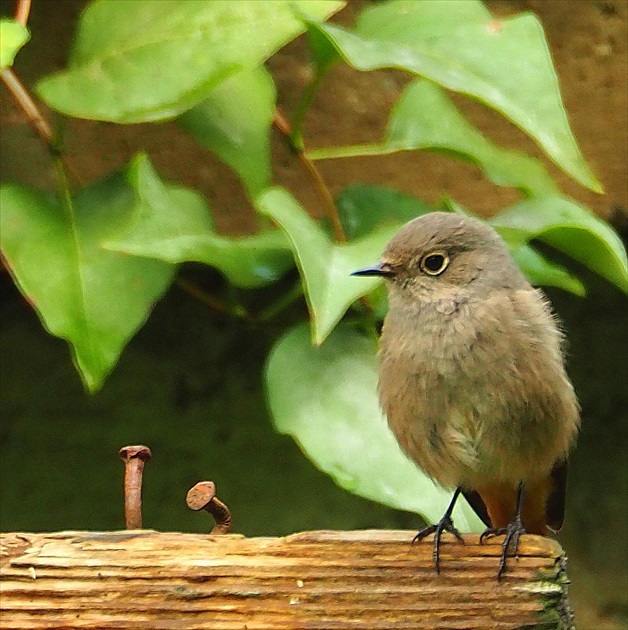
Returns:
<point x="13" y="36"/>
<point x="234" y="122"/>
<point x="425" y="118"/>
<point x="535" y="267"/>
<point x="326" y="399"/>
<point x="569" y="228"/>
<point x="142" y="60"/>
<point x="325" y="267"/>
<point x="365" y="207"/>
<point x="505" y="64"/>
<point x="324" y="54"/>
<point x="541" y="272"/>
<point x="94" y="299"/>
<point x="175" y="225"/>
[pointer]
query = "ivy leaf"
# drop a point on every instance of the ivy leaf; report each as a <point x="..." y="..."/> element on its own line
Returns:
<point x="174" y="224"/>
<point x="504" y="63"/>
<point x="145" y="60"/>
<point x="234" y="122"/>
<point x="94" y="299"/>
<point x="366" y="208"/>
<point x="425" y="118"/>
<point x="539" y="271"/>
<point x="324" y="53"/>
<point x="569" y="228"/>
<point x="363" y="208"/>
<point x="325" y="266"/>
<point x="13" y="36"/>
<point x="325" y="398"/>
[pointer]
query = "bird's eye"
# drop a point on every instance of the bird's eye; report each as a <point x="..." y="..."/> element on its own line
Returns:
<point x="434" y="263"/>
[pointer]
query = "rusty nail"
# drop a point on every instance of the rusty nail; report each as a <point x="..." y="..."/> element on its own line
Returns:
<point x="203" y="497"/>
<point x="133" y="458"/>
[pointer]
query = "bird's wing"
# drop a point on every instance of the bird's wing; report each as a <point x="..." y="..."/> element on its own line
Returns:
<point x="543" y="503"/>
<point x="555" y="507"/>
<point x="475" y="501"/>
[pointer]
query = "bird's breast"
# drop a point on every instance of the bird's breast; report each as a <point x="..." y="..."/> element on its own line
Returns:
<point x="472" y="394"/>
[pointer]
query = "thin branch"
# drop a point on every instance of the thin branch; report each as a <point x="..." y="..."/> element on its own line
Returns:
<point x="20" y="93"/>
<point x="22" y="11"/>
<point x="284" y="301"/>
<point x="281" y="123"/>
<point x="302" y="109"/>
<point x="36" y="119"/>
<point x="29" y="107"/>
<point x="211" y="301"/>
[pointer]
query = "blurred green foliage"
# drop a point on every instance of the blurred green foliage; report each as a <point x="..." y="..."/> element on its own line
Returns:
<point x="93" y="262"/>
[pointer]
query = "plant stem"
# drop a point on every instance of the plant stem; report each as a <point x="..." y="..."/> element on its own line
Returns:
<point x="65" y="192"/>
<point x="282" y="303"/>
<point x="34" y="114"/>
<point x="214" y="303"/>
<point x="37" y="121"/>
<point x="282" y="124"/>
<point x="358" y="150"/>
<point x="29" y="107"/>
<point x="22" y="12"/>
<point x="300" y="111"/>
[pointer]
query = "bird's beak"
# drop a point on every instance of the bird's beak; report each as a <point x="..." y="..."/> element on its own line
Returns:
<point x="383" y="269"/>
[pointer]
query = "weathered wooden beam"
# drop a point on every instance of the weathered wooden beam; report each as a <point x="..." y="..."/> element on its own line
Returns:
<point x="372" y="580"/>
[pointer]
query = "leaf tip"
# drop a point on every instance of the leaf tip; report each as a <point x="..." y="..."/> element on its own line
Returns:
<point x="597" y="186"/>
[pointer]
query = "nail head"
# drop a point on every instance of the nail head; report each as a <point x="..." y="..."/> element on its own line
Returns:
<point x="135" y="452"/>
<point x="200" y="495"/>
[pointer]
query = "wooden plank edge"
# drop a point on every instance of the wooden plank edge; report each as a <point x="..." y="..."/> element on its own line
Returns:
<point x="318" y="579"/>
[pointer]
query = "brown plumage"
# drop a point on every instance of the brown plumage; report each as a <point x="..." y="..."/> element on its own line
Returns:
<point x="471" y="373"/>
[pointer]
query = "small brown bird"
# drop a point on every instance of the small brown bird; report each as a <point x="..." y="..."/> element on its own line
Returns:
<point x="471" y="377"/>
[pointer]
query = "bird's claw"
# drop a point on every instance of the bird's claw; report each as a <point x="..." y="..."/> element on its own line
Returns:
<point x="444" y="525"/>
<point x="513" y="533"/>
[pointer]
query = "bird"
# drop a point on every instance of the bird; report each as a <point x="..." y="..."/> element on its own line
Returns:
<point x="472" y="379"/>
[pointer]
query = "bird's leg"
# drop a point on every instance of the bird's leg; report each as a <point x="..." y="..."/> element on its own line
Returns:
<point x="444" y="525"/>
<point x="513" y="532"/>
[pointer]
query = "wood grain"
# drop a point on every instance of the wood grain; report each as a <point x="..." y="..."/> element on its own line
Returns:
<point x="320" y="580"/>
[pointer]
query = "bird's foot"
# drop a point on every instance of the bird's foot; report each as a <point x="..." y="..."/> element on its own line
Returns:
<point x="444" y="525"/>
<point x="513" y="533"/>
